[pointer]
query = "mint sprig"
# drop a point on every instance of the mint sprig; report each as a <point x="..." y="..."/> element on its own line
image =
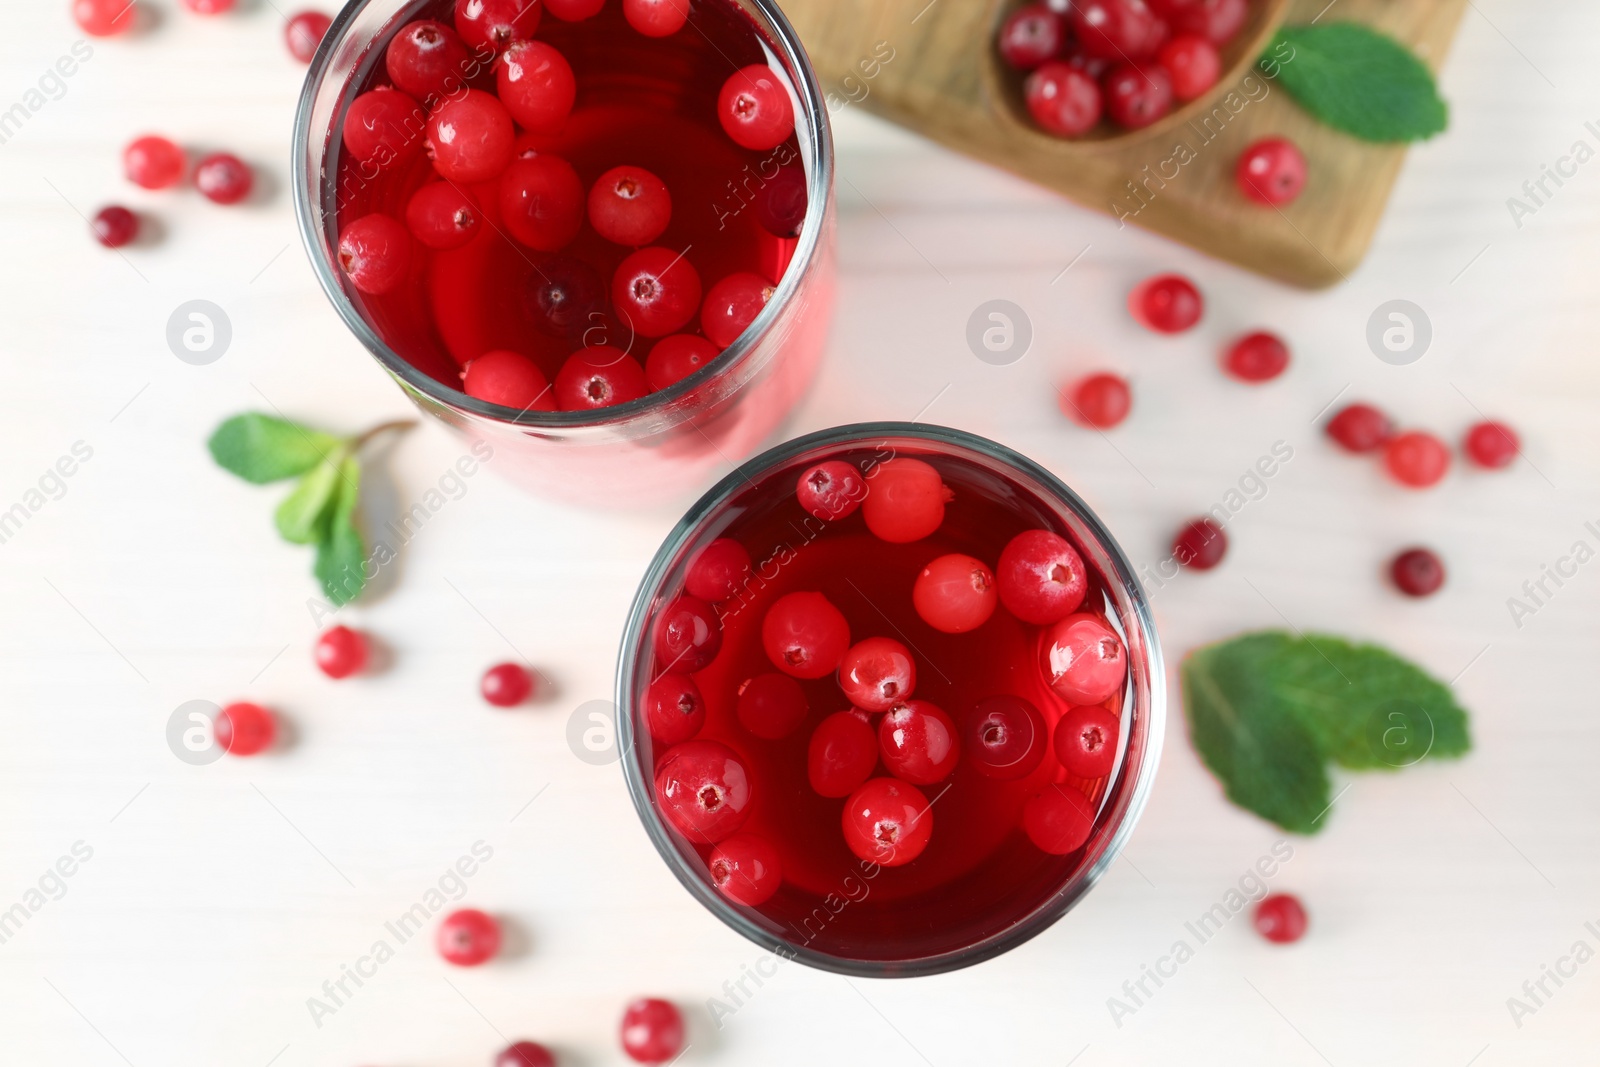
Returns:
<point x="1268" y="711"/>
<point x="1358" y="80"/>
<point x="321" y="509"/>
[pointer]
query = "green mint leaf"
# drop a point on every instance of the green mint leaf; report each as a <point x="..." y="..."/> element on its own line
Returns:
<point x="1360" y="81"/>
<point x="305" y="514"/>
<point x="341" y="555"/>
<point x="261" y="449"/>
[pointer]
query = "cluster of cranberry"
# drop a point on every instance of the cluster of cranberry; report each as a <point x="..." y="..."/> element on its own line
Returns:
<point x="302" y="32"/>
<point x="652" y="1032"/>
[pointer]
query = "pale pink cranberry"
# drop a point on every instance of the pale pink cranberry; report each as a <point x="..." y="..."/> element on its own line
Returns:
<point x="154" y="163"/>
<point x="887" y="822"/>
<point x="652" y="1031"/>
<point x="754" y="108"/>
<point x="114" y="226"/>
<point x="771" y="706"/>
<point x="842" y="753"/>
<point x="442" y="216"/>
<point x="674" y="358"/>
<point x="375" y="254"/>
<point x="955" y="593"/>
<point x="536" y="85"/>
<point x="340" y="652"/>
<point x="1099" y="401"/>
<point x="1193" y="64"/>
<point x="470" y="137"/>
<point x="599" y="377"/>
<point x="674" y="710"/>
<point x="1271" y="171"/>
<point x="524" y="1054"/>
<point x="656" y="18"/>
<point x="1416" y="459"/>
<point x="428" y="60"/>
<point x="745" y="869"/>
<point x="1030" y="35"/>
<point x="719" y="570"/>
<point x="1058" y="820"/>
<point x="878" y="673"/>
<point x="905" y="501"/>
<point x="1086" y="741"/>
<point x="223" y="178"/>
<point x="468" y="938"/>
<point x="1084" y="660"/>
<point x="1360" y="428"/>
<point x="574" y="10"/>
<point x="104" y="18"/>
<point x="1491" y="445"/>
<point x="509" y="379"/>
<point x="804" y="635"/>
<point x="704" y="790"/>
<point x="1166" y="303"/>
<point x="541" y="201"/>
<point x="1041" y="578"/>
<point x="732" y="305"/>
<point x="688" y="634"/>
<point x="304" y="33"/>
<point x="384" y="127"/>
<point x="832" y="490"/>
<point x="1117" y="29"/>
<point x="918" y="742"/>
<point x="1005" y="738"/>
<point x="1137" y="94"/>
<point x="656" y="291"/>
<point x="491" y="25"/>
<point x="1062" y="99"/>
<point x="1280" y="918"/>
<point x="1200" y="544"/>
<point x="244" y="729"/>
<point x="630" y="206"/>
<point x="505" y="685"/>
<point x="1257" y="357"/>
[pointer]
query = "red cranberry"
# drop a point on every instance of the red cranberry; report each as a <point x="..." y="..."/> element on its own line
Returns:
<point x="732" y="305"/>
<point x="804" y="635"/>
<point x="491" y="25"/>
<point x="1201" y="544"/>
<point x="470" y="138"/>
<point x="704" y="790"/>
<point x="905" y="500"/>
<point x="674" y="710"/>
<point x="304" y="33"/>
<point x="919" y="742"/>
<point x="599" y="377"/>
<point x="1280" y="918"/>
<point x="652" y="1031"/>
<point x="1086" y="741"/>
<point x="153" y="163"/>
<point x="674" y="358"/>
<point x="1041" y="578"/>
<point x="509" y="379"/>
<point x="223" y="178"/>
<point x="878" y="673"/>
<point x="1058" y="820"/>
<point x="1193" y="65"/>
<point x="442" y="216"/>
<point x="887" y="822"/>
<point x="1137" y="94"/>
<point x="832" y="490"/>
<point x="428" y="60"/>
<point x="566" y="297"/>
<point x="341" y="652"/>
<point x="505" y="685"/>
<point x="1166" y="303"/>
<point x="771" y="706"/>
<point x="209" y="7"/>
<point x="541" y="201"/>
<point x="1271" y="171"/>
<point x="1084" y="660"/>
<point x="781" y="203"/>
<point x="1005" y="738"/>
<point x="1491" y="445"/>
<point x="1360" y="428"/>
<point x="1030" y="35"/>
<point x="114" y="226"/>
<point x="536" y="85"/>
<point x="1417" y="572"/>
<point x="745" y="869"/>
<point x="375" y="253"/>
<point x="1257" y="357"/>
<point x="1062" y="99"/>
<point x="103" y="18"/>
<point x="574" y="10"/>
<point x="468" y="938"/>
<point x="955" y="593"/>
<point x="1218" y="21"/>
<point x="656" y="18"/>
<point x="657" y="291"/>
<point x="719" y="571"/>
<point x="842" y="754"/>
<point x="244" y="729"/>
<point x="524" y="1054"/>
<point x="754" y="108"/>
<point x="384" y="127"/>
<point x="1417" y="459"/>
<point x="688" y="634"/>
<point x="1099" y="401"/>
<point x="629" y="206"/>
<point x="1117" y="29"/>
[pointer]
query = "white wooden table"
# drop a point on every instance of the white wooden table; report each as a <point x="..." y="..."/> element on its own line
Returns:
<point x="218" y="899"/>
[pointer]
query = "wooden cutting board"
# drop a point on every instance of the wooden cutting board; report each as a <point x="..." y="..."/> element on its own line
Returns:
<point x="944" y="79"/>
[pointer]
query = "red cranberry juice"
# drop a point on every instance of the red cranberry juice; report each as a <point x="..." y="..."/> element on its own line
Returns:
<point x="980" y="873"/>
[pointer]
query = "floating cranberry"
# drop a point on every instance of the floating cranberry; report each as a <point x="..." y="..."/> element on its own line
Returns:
<point x="541" y="201"/>
<point x="674" y="710"/>
<point x="919" y="742"/>
<point x="877" y="673"/>
<point x="1417" y="572"/>
<point x="1005" y="738"/>
<point x="491" y="25"/>
<point x="1137" y="94"/>
<point x="468" y="938"/>
<point x="887" y="822"/>
<point x="599" y="377"/>
<point x="652" y="1031"/>
<point x="304" y="33"/>
<point x="566" y="296"/>
<point x="574" y="10"/>
<point x="1491" y="445"/>
<point x="905" y="500"/>
<point x="732" y="305"/>
<point x="1086" y="741"/>
<point x="629" y="206"/>
<point x="781" y="203"/>
<point x="1271" y="171"/>
<point x="209" y="7"/>
<point x="384" y="127"/>
<point x="470" y="138"/>
<point x="340" y="652"/>
<point x="832" y="490"/>
<point x="1360" y="428"/>
<point x="746" y="870"/>
<point x="1257" y="357"/>
<point x="1041" y="578"/>
<point x="1117" y="29"/>
<point x="1058" y="820"/>
<point x="842" y="754"/>
<point x="1099" y="401"/>
<point x="223" y="178"/>
<point x="428" y="60"/>
<point x="154" y="163"/>
<point x="754" y="108"/>
<point x="103" y="18"/>
<point x="1200" y="544"/>
<point x="1084" y="660"/>
<point x="771" y="706"/>
<point x="1166" y="303"/>
<point x="524" y="1054"/>
<point x="375" y="253"/>
<point x="656" y="18"/>
<point x="719" y="571"/>
<point x="537" y="86"/>
<point x="509" y="379"/>
<point x="688" y="634"/>
<point x="1219" y="21"/>
<point x="1030" y="35"/>
<point x="505" y="685"/>
<point x="1193" y="65"/>
<point x="114" y="226"/>
<point x="1280" y="918"/>
<point x="704" y="790"/>
<point x="244" y="729"/>
<point x="804" y="635"/>
<point x="656" y="291"/>
<point x="1417" y="459"/>
<point x="442" y="216"/>
<point x="674" y="358"/>
<point x="1062" y="99"/>
<point x="955" y="593"/>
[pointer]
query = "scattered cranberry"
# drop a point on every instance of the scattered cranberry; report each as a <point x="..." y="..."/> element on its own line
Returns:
<point x="1281" y="918"/>
<point x="674" y="710"/>
<point x="375" y="253"/>
<point x="1041" y="578"/>
<point x="1360" y="428"/>
<point x="1193" y="65"/>
<point x="1063" y="99"/>
<point x="1219" y="21"/>
<point x="1491" y="445"/>
<point x="804" y="635"/>
<point x="732" y="305"/>
<point x="905" y="501"/>
<point x="1167" y="303"/>
<point x="1417" y="459"/>
<point x="209" y="7"/>
<point x="754" y="108"/>
<point x="704" y="790"/>
<point x="491" y="25"/>
<point x="428" y="60"/>
<point x="771" y="706"/>
<point x="1099" y="401"/>
<point x="153" y="163"/>
<point x="565" y="297"/>
<point x="505" y="685"/>
<point x="674" y="358"/>
<point x="1058" y="820"/>
<point x="629" y="206"/>
<point x="1417" y="572"/>
<point x="1137" y="94"/>
<point x="341" y="652"/>
<point x="831" y="491"/>
<point x="304" y="33"/>
<point x="442" y="216"/>
<point x="244" y="729"/>
<point x="1005" y="738"/>
<point x="657" y="291"/>
<point x="1030" y="35"/>
<point x="384" y="126"/>
<point x="537" y="86"/>
<point x="955" y="593"/>
<point x="878" y="673"/>
<point x="470" y="137"/>
<point x="887" y="822"/>
<point x="1271" y="171"/>
<point x="114" y="226"/>
<point x="842" y="754"/>
<point x="1257" y="357"/>
<point x="525" y="1054"/>
<point x="688" y="634"/>
<point x="509" y="379"/>
<point x="599" y="377"/>
<point x="223" y="178"/>
<point x="656" y="18"/>
<point x="541" y="201"/>
<point x="574" y="10"/>
<point x="103" y="18"/>
<point x="1201" y="544"/>
<point x="1084" y="660"/>
<point x="781" y="203"/>
<point x="1086" y="741"/>
<point x="746" y="870"/>
<point x="919" y="742"/>
<point x="652" y="1031"/>
<point x="719" y="571"/>
<point x="1117" y="29"/>
<point x="468" y="938"/>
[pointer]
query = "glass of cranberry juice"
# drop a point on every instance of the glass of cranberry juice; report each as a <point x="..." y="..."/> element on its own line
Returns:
<point x="640" y="101"/>
<point x="890" y="699"/>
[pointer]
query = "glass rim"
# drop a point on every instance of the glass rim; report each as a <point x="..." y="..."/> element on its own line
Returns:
<point x="809" y="243"/>
<point x="1136" y="792"/>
